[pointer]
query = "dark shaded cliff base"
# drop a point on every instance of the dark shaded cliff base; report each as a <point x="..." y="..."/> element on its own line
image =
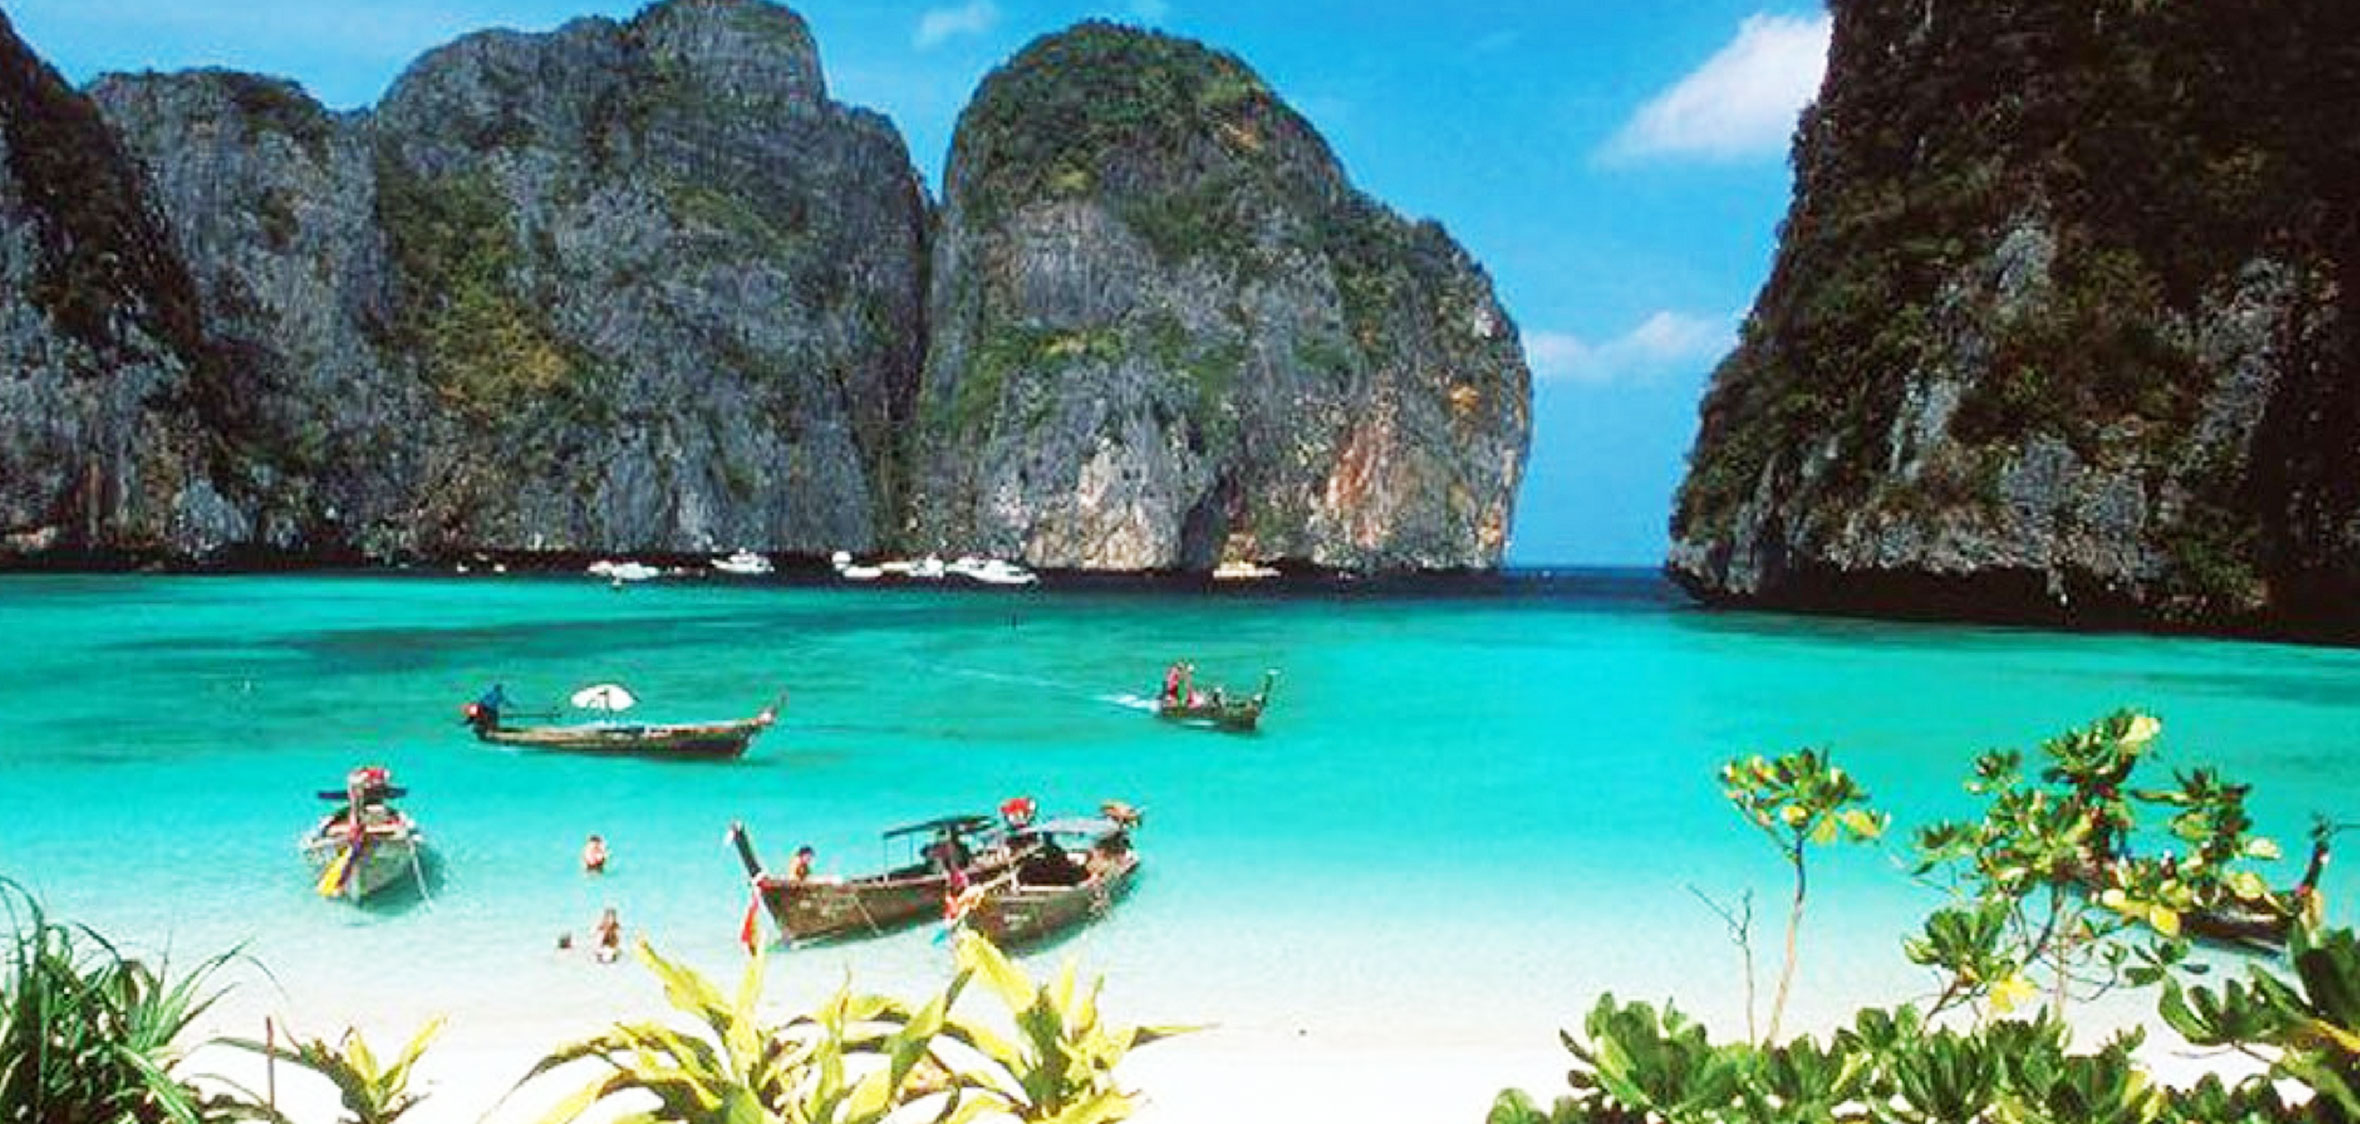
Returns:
<point x="1619" y="584"/>
<point x="2022" y="597"/>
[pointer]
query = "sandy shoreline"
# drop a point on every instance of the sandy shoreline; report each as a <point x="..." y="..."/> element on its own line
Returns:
<point x="1241" y="1079"/>
<point x="1215" y="1075"/>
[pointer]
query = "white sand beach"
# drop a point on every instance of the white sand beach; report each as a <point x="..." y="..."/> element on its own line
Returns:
<point x="1212" y="1079"/>
<point x="1213" y="1075"/>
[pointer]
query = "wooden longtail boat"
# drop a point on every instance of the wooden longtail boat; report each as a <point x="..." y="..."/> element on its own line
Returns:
<point x="366" y="844"/>
<point x="2261" y="925"/>
<point x="1182" y="702"/>
<point x="1085" y="866"/>
<point x="808" y="908"/>
<point x="688" y="740"/>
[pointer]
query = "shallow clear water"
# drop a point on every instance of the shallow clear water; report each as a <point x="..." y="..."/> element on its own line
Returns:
<point x="1471" y="809"/>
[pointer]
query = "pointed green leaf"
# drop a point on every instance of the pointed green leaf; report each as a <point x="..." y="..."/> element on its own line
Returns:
<point x="1001" y="975"/>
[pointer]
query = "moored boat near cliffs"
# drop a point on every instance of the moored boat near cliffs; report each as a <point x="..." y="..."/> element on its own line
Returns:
<point x="957" y="850"/>
<point x="1184" y="701"/>
<point x="487" y="717"/>
<point x="366" y="845"/>
<point x="1072" y="872"/>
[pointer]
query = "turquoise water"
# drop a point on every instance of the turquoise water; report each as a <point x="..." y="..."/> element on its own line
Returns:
<point x="1467" y="814"/>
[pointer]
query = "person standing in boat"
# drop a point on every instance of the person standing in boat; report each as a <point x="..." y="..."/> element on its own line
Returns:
<point x="800" y="869"/>
<point x="1173" y="678"/>
<point x="947" y="853"/>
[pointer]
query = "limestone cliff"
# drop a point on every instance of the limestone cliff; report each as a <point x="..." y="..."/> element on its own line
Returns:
<point x="2062" y="326"/>
<point x="269" y="201"/>
<point x="631" y="286"/>
<point x="1165" y="332"/>
<point x="642" y="286"/>
<point x="106" y="393"/>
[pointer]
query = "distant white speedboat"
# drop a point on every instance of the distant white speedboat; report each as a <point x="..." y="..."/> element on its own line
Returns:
<point x="853" y="571"/>
<point x="1240" y="569"/>
<point x="929" y="568"/>
<point x="992" y="571"/>
<point x="744" y="562"/>
<point x="623" y="571"/>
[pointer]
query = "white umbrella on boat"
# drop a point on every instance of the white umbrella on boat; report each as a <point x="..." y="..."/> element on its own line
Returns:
<point x="605" y="696"/>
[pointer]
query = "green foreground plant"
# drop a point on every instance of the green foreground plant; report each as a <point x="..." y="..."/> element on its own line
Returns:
<point x="860" y="1059"/>
<point x="2049" y="886"/>
<point x="370" y="1093"/>
<point x="1799" y="800"/>
<point x="89" y="1034"/>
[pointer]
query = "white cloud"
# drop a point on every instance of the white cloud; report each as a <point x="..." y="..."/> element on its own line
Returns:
<point x="1741" y="103"/>
<point x="938" y="24"/>
<point x="1664" y="343"/>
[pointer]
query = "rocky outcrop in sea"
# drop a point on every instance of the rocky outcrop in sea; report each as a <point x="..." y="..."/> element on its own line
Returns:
<point x="623" y="286"/>
<point x="2062" y="327"/>
<point x="1167" y="332"/>
<point x="642" y="286"/>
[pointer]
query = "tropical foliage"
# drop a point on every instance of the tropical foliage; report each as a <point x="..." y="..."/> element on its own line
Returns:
<point x="371" y="1093"/>
<point x="88" y="1034"/>
<point x="2307" y="1030"/>
<point x="2050" y="886"/>
<point x="2053" y="892"/>
<point x="860" y="1059"/>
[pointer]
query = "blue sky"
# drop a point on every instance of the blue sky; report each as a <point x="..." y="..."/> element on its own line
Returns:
<point x="1620" y="168"/>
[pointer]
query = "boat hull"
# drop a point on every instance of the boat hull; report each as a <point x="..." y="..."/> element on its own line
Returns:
<point x="1214" y="709"/>
<point x="1013" y="914"/>
<point x="813" y="909"/>
<point x="2249" y="930"/>
<point x="386" y="860"/>
<point x="2235" y="926"/>
<point x="711" y="741"/>
<point x="816" y="909"/>
<point x="1240" y="717"/>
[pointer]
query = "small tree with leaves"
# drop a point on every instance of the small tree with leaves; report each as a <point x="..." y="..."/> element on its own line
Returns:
<point x="1799" y="800"/>
<point x="2052" y="888"/>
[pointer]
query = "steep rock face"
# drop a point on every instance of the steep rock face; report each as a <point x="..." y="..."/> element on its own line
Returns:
<point x="1166" y="332"/>
<point x="105" y="391"/>
<point x="2062" y="327"/>
<point x="270" y="201"/>
<point x="666" y="291"/>
<point x="617" y="287"/>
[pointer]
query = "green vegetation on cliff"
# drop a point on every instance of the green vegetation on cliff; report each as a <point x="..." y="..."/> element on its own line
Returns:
<point x="1140" y="242"/>
<point x="1102" y="107"/>
<point x="101" y="250"/>
<point x="280" y="106"/>
<point x="2053" y="207"/>
<point x="480" y="345"/>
